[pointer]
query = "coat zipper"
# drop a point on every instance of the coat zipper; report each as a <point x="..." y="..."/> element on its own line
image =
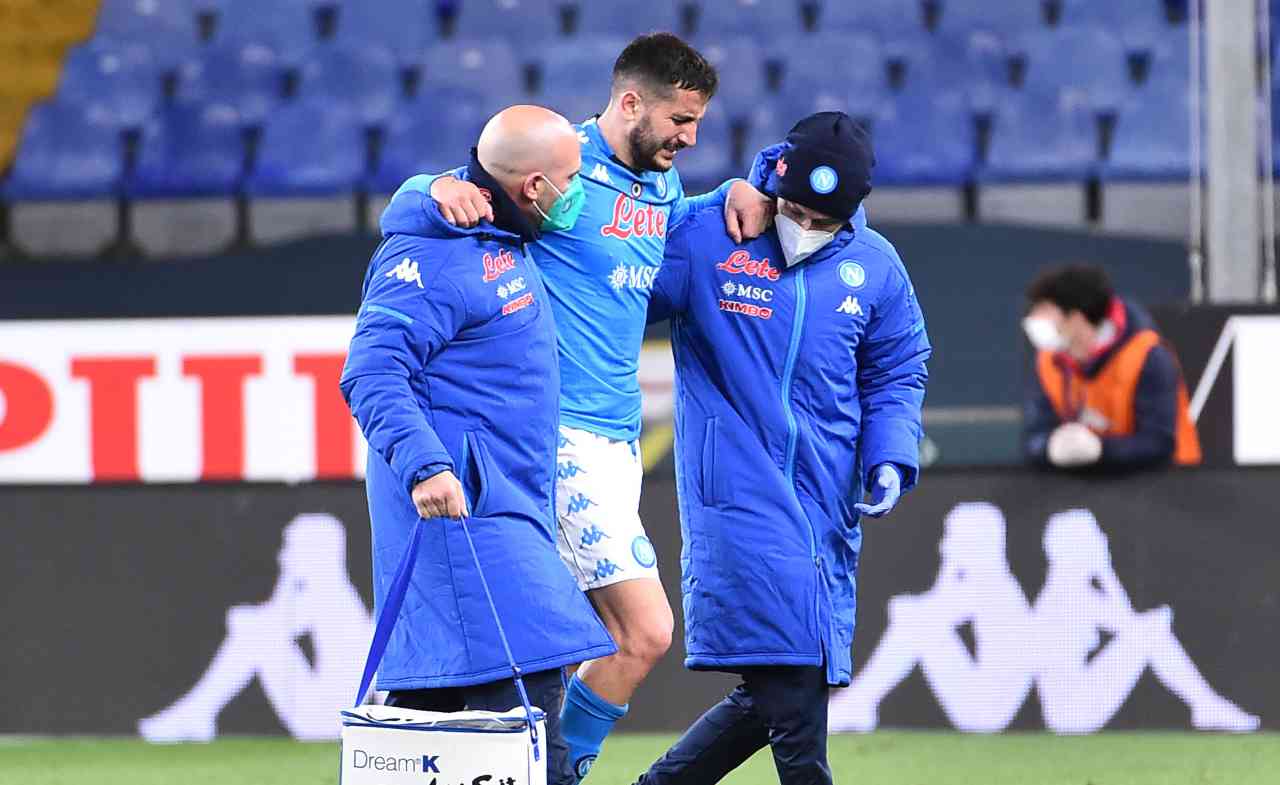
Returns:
<point x="789" y="467"/>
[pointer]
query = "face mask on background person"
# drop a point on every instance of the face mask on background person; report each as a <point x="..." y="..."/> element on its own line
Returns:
<point x="797" y="242"/>
<point x="565" y="210"/>
<point x="1043" y="334"/>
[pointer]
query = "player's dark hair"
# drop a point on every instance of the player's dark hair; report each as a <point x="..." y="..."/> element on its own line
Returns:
<point x="663" y="63"/>
<point x="1075" y="287"/>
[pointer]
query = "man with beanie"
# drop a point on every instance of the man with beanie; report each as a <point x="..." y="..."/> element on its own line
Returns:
<point x="800" y="373"/>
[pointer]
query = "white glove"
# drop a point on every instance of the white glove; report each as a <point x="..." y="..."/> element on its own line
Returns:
<point x="1073" y="444"/>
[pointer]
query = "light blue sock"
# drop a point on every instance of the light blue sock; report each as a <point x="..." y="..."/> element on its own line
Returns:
<point x="584" y="722"/>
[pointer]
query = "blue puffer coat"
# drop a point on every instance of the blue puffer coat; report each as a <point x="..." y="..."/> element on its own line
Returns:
<point x="792" y="384"/>
<point x="453" y="366"/>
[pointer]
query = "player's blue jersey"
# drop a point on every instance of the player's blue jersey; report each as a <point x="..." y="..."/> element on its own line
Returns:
<point x="598" y="276"/>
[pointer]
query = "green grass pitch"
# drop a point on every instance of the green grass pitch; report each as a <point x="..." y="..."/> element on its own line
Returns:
<point x="883" y="758"/>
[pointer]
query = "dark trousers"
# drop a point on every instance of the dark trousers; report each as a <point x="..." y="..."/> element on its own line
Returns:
<point x="546" y="691"/>
<point x="784" y="707"/>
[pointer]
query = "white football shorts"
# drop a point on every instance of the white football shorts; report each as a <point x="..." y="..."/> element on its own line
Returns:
<point x="601" y="539"/>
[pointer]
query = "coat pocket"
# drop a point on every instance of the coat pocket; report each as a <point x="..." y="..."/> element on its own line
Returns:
<point x="477" y="481"/>
<point x="710" y="490"/>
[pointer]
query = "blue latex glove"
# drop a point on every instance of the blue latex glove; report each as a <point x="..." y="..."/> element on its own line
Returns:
<point x="885" y="491"/>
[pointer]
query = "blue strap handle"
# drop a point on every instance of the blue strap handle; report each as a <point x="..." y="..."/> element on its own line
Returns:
<point x="391" y="613"/>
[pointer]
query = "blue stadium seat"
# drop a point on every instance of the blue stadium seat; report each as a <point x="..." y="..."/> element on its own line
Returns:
<point x="1090" y="59"/>
<point x="832" y="61"/>
<point x="768" y="125"/>
<point x="763" y="19"/>
<point x="435" y="132"/>
<point x="190" y="150"/>
<point x="1007" y="18"/>
<point x="740" y="63"/>
<point x="287" y="27"/>
<point x="1152" y="139"/>
<point x="707" y="164"/>
<point x="168" y="28"/>
<point x="1050" y="136"/>
<point x="309" y="148"/>
<point x="403" y="27"/>
<point x="889" y="19"/>
<point x="364" y="79"/>
<point x="584" y="67"/>
<point x="925" y="136"/>
<point x="485" y="65"/>
<point x="576" y="107"/>
<point x="118" y="81"/>
<point x="628" y="19"/>
<point x="1132" y="17"/>
<point x="247" y="79"/>
<point x="525" y="21"/>
<point x="65" y="153"/>
<point x="1170" y="57"/>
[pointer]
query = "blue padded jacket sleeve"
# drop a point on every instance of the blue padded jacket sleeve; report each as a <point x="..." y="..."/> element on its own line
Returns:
<point x="1155" y="414"/>
<point x="891" y="381"/>
<point x="403" y="322"/>
<point x="670" y="295"/>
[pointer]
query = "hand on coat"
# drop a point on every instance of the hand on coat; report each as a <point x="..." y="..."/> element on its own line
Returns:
<point x="885" y="491"/>
<point x="747" y="212"/>
<point x="461" y="202"/>
<point x="440" y="496"/>
<point x="1072" y="445"/>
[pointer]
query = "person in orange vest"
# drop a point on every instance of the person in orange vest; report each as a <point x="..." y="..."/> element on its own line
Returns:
<point x="1109" y="392"/>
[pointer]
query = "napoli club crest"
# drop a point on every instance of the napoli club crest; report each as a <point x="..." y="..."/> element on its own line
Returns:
<point x="823" y="179"/>
<point x="852" y="275"/>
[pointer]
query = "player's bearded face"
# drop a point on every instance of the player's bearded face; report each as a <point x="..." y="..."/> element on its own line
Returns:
<point x="646" y="144"/>
<point x="666" y="126"/>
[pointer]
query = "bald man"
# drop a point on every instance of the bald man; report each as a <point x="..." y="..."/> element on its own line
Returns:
<point x="453" y="377"/>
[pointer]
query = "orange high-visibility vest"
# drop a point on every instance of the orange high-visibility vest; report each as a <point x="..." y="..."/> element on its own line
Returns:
<point x="1109" y="396"/>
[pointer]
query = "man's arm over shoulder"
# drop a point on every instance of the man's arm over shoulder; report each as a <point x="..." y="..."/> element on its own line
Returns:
<point x="891" y="378"/>
<point x="1155" y="405"/>
<point x="410" y="311"/>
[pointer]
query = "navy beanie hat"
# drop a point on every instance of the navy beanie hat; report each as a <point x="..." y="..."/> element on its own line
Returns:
<point x="827" y="164"/>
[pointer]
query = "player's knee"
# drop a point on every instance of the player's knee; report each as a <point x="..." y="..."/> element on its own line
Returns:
<point x="648" y="642"/>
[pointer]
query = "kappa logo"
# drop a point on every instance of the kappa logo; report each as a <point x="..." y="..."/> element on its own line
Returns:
<point x="495" y="265"/>
<point x="593" y="535"/>
<point x="569" y="469"/>
<point x="600" y="174"/>
<point x="632" y="220"/>
<point x="606" y="568"/>
<point x="741" y="263"/>
<point x="850" y="306"/>
<point x="578" y="503"/>
<point x="406" y="271"/>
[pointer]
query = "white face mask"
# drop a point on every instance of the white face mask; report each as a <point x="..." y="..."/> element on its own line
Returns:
<point x="1043" y="334"/>
<point x="798" y="243"/>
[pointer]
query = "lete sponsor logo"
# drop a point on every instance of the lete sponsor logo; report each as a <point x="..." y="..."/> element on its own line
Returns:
<point x="176" y="400"/>
<point x="741" y="263"/>
<point x="635" y="220"/>
<point x="497" y="264"/>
